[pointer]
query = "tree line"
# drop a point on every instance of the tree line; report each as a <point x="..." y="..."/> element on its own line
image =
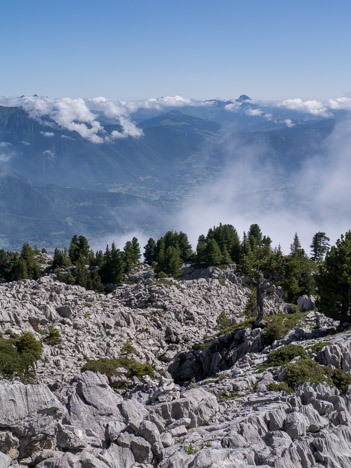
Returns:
<point x="321" y="272"/>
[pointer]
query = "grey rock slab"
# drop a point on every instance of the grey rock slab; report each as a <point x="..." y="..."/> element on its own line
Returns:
<point x="64" y="311"/>
<point x="296" y="424"/>
<point x="178" y="431"/>
<point x="70" y="437"/>
<point x="275" y="419"/>
<point x="141" y="450"/>
<point x="93" y="405"/>
<point x="113" y="430"/>
<point x="167" y="439"/>
<point x="316" y="422"/>
<point x="5" y="461"/>
<point x="197" y="404"/>
<point x="117" y="457"/>
<point x="31" y="412"/>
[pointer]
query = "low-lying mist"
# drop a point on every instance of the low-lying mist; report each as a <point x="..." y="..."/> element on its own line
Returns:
<point x="251" y="190"/>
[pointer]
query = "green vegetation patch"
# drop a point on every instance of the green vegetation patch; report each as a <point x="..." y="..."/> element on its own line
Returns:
<point x="109" y="366"/>
<point x="306" y="370"/>
<point x="166" y="282"/>
<point x="18" y="356"/>
<point x="248" y="323"/>
<point x="319" y="346"/>
<point x="230" y="395"/>
<point x="280" y="387"/>
<point x="279" y="325"/>
<point x="341" y="379"/>
<point x="285" y="354"/>
<point x="223" y="321"/>
<point x="53" y="336"/>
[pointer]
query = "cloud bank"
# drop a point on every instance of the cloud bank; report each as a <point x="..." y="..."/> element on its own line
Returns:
<point x="83" y="116"/>
<point x="316" y="198"/>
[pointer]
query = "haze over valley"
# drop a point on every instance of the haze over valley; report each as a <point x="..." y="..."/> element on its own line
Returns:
<point x="106" y="168"/>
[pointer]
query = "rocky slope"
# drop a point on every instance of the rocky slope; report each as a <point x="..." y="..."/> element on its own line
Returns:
<point x="211" y="402"/>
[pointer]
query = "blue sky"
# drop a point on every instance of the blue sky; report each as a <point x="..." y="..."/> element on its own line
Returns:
<point x="134" y="49"/>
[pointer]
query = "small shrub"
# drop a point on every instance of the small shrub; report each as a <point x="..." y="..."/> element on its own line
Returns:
<point x="319" y="346"/>
<point x="280" y="387"/>
<point x="166" y="282"/>
<point x="221" y="280"/>
<point x="306" y="370"/>
<point x="18" y="356"/>
<point x="279" y="325"/>
<point x="191" y="450"/>
<point x="223" y="321"/>
<point x="285" y="354"/>
<point x="251" y="306"/>
<point x="53" y="337"/>
<point x="248" y="323"/>
<point x="341" y="380"/>
<point x="127" y="349"/>
<point x="10" y="333"/>
<point x="162" y="274"/>
<point x="230" y="395"/>
<point x="109" y="366"/>
<point x="27" y="344"/>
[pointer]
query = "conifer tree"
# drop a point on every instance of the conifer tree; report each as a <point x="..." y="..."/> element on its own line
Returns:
<point x="334" y="280"/>
<point x="150" y="251"/>
<point x="213" y="255"/>
<point x="200" y="259"/>
<point x="172" y="262"/>
<point x="319" y="246"/>
<point x="135" y="251"/>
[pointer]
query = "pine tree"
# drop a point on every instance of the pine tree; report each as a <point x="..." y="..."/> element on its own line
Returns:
<point x="213" y="253"/>
<point x="60" y="259"/>
<point x="69" y="278"/>
<point x="128" y="256"/>
<point x="96" y="284"/>
<point x="73" y="251"/>
<point x="150" y="252"/>
<point x="81" y="273"/>
<point x="186" y="251"/>
<point x="255" y="236"/>
<point x="135" y="251"/>
<point x="200" y="259"/>
<point x="334" y="280"/>
<point x="319" y="246"/>
<point x="295" y="247"/>
<point x="172" y="262"/>
<point x="226" y="260"/>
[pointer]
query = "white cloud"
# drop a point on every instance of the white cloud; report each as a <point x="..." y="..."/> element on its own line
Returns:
<point x="315" y="199"/>
<point x="254" y="112"/>
<point x="307" y="107"/>
<point x="289" y="123"/>
<point x="77" y="115"/>
<point x="340" y="103"/>
<point x="48" y="134"/>
<point x="49" y="154"/>
<point x="115" y="110"/>
<point x="233" y="106"/>
<point x="6" y="152"/>
<point x="66" y="137"/>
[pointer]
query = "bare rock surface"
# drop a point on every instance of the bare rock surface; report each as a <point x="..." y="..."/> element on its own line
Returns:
<point x="217" y="410"/>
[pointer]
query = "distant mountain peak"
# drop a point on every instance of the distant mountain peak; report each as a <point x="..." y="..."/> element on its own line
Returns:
<point x="243" y="97"/>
